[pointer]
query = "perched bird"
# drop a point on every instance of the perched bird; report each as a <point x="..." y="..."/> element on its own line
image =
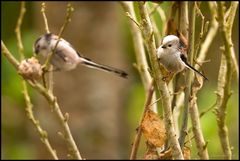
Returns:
<point x="65" y="57"/>
<point x="172" y="56"/>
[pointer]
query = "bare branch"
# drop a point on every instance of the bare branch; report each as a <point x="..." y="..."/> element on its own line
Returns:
<point x="229" y="20"/>
<point x="29" y="106"/>
<point x="42" y="133"/>
<point x="184" y="29"/>
<point x="18" y="30"/>
<point x="210" y="35"/>
<point x="162" y="87"/>
<point x="191" y="52"/>
<point x="142" y="64"/>
<point x="225" y="76"/>
<point x="156" y="31"/>
<point x="70" y="9"/>
<point x="44" y="17"/>
<point x="49" y="83"/>
<point x="9" y="56"/>
<point x="196" y="125"/>
<point x="133" y="19"/>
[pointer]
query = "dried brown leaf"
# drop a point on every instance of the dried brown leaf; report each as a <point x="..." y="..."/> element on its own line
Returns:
<point x="153" y="129"/>
<point x="186" y="153"/>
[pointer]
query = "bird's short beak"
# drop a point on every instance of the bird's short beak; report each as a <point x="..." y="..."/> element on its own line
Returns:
<point x="164" y="47"/>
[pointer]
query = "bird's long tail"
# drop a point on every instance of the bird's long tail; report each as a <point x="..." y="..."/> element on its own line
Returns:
<point x="89" y="63"/>
<point x="190" y="67"/>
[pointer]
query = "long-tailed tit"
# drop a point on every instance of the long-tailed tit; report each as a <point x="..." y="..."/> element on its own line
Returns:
<point x="172" y="56"/>
<point x="65" y="57"/>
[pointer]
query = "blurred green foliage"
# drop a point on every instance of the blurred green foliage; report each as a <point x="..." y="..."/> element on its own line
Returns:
<point x="15" y="144"/>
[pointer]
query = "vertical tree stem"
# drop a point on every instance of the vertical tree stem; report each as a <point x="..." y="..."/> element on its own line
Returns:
<point x="162" y="87"/>
<point x="184" y="29"/>
<point x="187" y="98"/>
<point x="225" y="76"/>
<point x="142" y="64"/>
<point x="29" y="106"/>
<point x="139" y="129"/>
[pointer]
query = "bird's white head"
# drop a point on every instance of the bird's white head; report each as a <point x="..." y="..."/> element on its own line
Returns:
<point x="170" y="45"/>
<point x="170" y="38"/>
<point x="170" y="41"/>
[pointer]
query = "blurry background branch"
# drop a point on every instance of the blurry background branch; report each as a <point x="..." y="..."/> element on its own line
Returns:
<point x="229" y="16"/>
<point x="225" y="73"/>
<point x="178" y="99"/>
<point x="189" y="75"/>
<point x="142" y="66"/>
<point x="197" y="85"/>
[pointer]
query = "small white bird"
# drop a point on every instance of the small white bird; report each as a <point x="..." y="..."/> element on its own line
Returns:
<point x="66" y="57"/>
<point x="172" y="56"/>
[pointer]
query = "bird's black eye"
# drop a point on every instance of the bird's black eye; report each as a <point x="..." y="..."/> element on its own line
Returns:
<point x="37" y="48"/>
<point x="169" y="45"/>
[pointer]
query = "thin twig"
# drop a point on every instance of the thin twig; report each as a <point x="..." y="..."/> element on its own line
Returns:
<point x="69" y="11"/>
<point x="42" y="133"/>
<point x="156" y="31"/>
<point x="9" y="56"/>
<point x="195" y="118"/>
<point x="49" y="83"/>
<point x="230" y="19"/>
<point x="193" y="107"/>
<point x="18" y="30"/>
<point x="47" y="66"/>
<point x="133" y="19"/>
<point x="29" y="106"/>
<point x="210" y="35"/>
<point x="207" y="110"/>
<point x="202" y="29"/>
<point x="138" y="135"/>
<point x="44" y="17"/>
<point x="154" y="9"/>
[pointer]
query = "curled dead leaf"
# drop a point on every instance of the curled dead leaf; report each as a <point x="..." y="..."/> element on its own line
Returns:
<point x="153" y="129"/>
